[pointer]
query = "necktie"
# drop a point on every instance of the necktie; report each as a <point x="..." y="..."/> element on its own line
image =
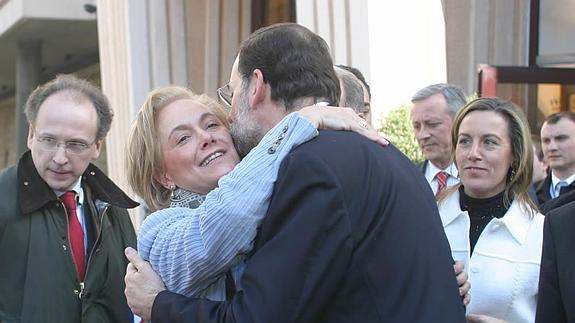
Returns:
<point x="441" y="181"/>
<point x="75" y="233"/>
<point x="558" y="188"/>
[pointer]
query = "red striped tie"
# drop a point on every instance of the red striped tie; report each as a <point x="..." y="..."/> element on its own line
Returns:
<point x="75" y="233"/>
<point x="441" y="181"/>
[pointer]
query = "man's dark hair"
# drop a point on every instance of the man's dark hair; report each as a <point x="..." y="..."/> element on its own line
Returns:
<point x="294" y="61"/>
<point x="359" y="76"/>
<point x="79" y="90"/>
<point x="556" y="117"/>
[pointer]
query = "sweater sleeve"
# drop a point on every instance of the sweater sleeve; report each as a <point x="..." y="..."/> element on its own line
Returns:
<point x="190" y="248"/>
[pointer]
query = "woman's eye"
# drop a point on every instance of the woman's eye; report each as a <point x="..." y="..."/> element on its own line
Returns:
<point x="183" y="139"/>
<point x="490" y="142"/>
<point x="463" y="141"/>
<point x="212" y="125"/>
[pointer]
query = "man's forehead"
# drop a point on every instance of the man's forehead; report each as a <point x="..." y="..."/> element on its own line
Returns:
<point x="561" y="126"/>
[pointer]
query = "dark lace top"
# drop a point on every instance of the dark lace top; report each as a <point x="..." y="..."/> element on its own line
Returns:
<point x="481" y="212"/>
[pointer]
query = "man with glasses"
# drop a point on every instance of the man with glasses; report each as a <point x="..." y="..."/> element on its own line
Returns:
<point x="63" y="223"/>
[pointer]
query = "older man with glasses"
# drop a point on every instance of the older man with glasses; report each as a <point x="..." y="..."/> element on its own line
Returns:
<point x="63" y="223"/>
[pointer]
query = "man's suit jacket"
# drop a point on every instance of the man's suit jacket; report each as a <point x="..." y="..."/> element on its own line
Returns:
<point x="352" y="234"/>
<point x="556" y="299"/>
<point x="544" y="197"/>
<point x="423" y="166"/>
<point x="559" y="201"/>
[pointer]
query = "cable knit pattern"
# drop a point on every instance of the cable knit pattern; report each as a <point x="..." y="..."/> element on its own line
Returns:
<point x="191" y="248"/>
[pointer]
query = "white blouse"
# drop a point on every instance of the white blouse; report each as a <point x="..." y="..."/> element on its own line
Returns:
<point x="504" y="268"/>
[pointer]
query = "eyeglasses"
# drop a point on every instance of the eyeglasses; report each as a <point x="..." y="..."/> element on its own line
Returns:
<point x="71" y="147"/>
<point x="225" y="94"/>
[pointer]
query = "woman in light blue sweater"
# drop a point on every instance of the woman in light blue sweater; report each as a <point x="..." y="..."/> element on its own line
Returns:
<point x="183" y="164"/>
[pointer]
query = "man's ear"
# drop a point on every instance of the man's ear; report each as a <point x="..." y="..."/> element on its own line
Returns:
<point x="97" y="148"/>
<point x="30" y="136"/>
<point x="258" y="89"/>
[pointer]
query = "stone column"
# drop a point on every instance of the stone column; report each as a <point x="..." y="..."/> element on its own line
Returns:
<point x="117" y="84"/>
<point x="28" y="69"/>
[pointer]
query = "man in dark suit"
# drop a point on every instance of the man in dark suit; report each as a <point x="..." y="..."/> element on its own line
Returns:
<point x="556" y="299"/>
<point x="336" y="245"/>
<point x="558" y="144"/>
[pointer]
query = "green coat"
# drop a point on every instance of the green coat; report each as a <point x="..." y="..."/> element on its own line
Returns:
<point x="38" y="281"/>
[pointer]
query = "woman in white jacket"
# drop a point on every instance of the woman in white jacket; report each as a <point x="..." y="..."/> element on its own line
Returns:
<point x="490" y="221"/>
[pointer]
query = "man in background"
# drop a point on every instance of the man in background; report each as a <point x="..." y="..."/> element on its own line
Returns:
<point x="432" y="118"/>
<point x="364" y="110"/>
<point x="558" y="144"/>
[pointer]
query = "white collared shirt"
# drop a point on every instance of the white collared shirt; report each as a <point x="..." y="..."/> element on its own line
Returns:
<point x="553" y="191"/>
<point x="79" y="208"/>
<point x="431" y="170"/>
<point x="504" y="268"/>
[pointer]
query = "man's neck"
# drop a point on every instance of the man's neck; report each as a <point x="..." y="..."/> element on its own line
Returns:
<point x="274" y="115"/>
<point x="304" y="102"/>
<point x="441" y="164"/>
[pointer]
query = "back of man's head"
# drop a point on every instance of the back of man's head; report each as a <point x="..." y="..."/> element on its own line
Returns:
<point x="357" y="73"/>
<point x="294" y="61"/>
<point x="453" y="95"/>
<point x="78" y="90"/>
<point x="351" y="90"/>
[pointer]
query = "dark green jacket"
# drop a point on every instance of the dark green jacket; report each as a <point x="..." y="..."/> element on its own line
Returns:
<point x="38" y="281"/>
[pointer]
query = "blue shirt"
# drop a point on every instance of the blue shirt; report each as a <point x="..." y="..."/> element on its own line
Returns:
<point x="191" y="249"/>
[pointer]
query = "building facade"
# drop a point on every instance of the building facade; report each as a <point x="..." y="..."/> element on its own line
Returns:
<point x="132" y="46"/>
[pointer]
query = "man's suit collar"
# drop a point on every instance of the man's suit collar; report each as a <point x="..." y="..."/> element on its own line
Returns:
<point x="34" y="192"/>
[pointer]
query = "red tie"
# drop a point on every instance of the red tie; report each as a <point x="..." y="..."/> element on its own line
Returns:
<point x="75" y="232"/>
<point x="441" y="181"/>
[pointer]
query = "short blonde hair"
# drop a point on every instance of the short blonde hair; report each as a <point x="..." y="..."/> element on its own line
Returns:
<point x="521" y="172"/>
<point x="145" y="161"/>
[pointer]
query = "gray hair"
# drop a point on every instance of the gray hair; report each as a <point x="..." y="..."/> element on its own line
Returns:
<point x="453" y="95"/>
<point x="352" y="91"/>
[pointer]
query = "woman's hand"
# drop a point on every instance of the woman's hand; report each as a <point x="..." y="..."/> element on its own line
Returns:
<point x="335" y="118"/>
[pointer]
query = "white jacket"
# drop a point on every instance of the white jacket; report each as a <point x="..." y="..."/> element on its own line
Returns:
<point x="504" y="269"/>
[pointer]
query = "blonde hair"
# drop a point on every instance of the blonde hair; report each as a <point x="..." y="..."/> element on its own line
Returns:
<point x="145" y="162"/>
<point x="521" y="171"/>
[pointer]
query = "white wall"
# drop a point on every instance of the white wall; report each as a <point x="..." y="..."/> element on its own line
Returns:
<point x="398" y="45"/>
<point x="407" y="49"/>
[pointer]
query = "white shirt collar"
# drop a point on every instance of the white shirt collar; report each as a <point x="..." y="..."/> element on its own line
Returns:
<point x="517" y="220"/>
<point x="431" y="170"/>
<point x="555" y="180"/>
<point x="76" y="188"/>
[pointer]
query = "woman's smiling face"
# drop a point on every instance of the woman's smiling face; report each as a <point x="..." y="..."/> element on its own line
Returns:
<point x="197" y="148"/>
<point x="483" y="153"/>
